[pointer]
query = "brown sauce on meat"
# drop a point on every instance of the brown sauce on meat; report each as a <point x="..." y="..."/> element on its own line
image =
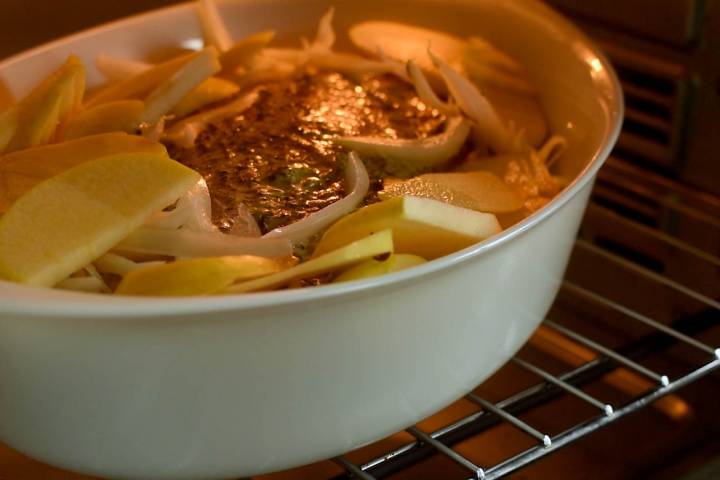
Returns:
<point x="278" y="157"/>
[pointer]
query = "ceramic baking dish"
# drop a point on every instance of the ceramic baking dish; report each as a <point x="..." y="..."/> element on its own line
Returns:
<point x="222" y="387"/>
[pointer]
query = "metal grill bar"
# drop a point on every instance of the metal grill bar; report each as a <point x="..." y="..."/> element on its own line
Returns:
<point x="648" y="273"/>
<point x="582" y="430"/>
<point x="605" y="407"/>
<point x="640" y="317"/>
<point x="449" y="452"/>
<point x="661" y="379"/>
<point x="545" y="439"/>
<point x="352" y="468"/>
<point x="539" y="394"/>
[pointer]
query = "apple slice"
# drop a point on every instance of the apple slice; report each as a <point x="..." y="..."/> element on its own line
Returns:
<point x="374" y="268"/>
<point x="38" y="115"/>
<point x="420" y="226"/>
<point x="380" y="243"/>
<point x="67" y="221"/>
<point x="8" y="126"/>
<point x="243" y="52"/>
<point x="20" y="171"/>
<point x="118" y="116"/>
<point x="199" y="276"/>
<point x="481" y="191"/>
<point x="210" y="91"/>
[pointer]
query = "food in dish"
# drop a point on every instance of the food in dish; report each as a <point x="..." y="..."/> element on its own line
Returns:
<point x="246" y="167"/>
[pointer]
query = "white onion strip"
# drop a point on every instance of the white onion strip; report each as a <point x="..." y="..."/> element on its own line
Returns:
<point x="186" y="131"/>
<point x="192" y="211"/>
<point x="425" y="91"/>
<point x="213" y="27"/>
<point x="407" y="156"/>
<point x="325" y="37"/>
<point x="552" y="149"/>
<point x="185" y="243"/>
<point x="358" y="183"/>
<point x="474" y="104"/>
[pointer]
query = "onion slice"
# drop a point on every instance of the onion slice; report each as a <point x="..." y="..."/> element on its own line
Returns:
<point x="490" y="127"/>
<point x="425" y="91"/>
<point x="325" y="37"/>
<point x="552" y="149"/>
<point x="405" y="157"/>
<point x="192" y="211"/>
<point x="185" y="243"/>
<point x="358" y="183"/>
<point x="214" y="29"/>
<point x="185" y="132"/>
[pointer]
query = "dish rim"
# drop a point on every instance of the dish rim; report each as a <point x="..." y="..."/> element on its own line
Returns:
<point x="74" y="304"/>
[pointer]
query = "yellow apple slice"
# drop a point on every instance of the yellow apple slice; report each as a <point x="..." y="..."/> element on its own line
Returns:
<point x="210" y="91"/>
<point x="243" y="52"/>
<point x="198" y="276"/>
<point x="201" y="65"/>
<point x="380" y="243"/>
<point x="420" y="226"/>
<point x="118" y="116"/>
<point x="138" y="86"/>
<point x="481" y="191"/>
<point x="374" y="268"/>
<point x="404" y="42"/>
<point x="67" y="221"/>
<point x="20" y="171"/>
<point x="7" y="99"/>
<point x="49" y="105"/>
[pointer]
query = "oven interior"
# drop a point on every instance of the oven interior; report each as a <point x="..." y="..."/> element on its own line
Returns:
<point x="621" y="379"/>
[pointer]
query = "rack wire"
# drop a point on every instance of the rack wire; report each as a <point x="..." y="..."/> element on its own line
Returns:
<point x="601" y="359"/>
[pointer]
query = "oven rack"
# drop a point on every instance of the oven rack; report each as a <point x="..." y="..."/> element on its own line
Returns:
<point x="674" y="200"/>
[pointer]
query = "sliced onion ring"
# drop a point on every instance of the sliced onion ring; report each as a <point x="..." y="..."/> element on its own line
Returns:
<point x="490" y="127"/>
<point x="183" y="243"/>
<point x="406" y="157"/>
<point x="358" y="183"/>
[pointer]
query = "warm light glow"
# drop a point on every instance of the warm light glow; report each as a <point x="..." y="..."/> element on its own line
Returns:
<point x="193" y="44"/>
<point x="595" y="64"/>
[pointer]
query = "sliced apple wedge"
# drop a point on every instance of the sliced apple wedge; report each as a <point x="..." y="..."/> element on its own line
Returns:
<point x="374" y="268"/>
<point x="38" y="115"/>
<point x="20" y="171"/>
<point x="69" y="220"/>
<point x="8" y="126"/>
<point x="380" y="243"/>
<point x="210" y="91"/>
<point x="420" y="226"/>
<point x="119" y="116"/>
<point x="198" y="276"/>
<point x="481" y="191"/>
<point x="243" y="52"/>
<point x="404" y="42"/>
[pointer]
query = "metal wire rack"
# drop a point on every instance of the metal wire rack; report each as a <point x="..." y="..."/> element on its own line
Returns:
<point x="651" y="208"/>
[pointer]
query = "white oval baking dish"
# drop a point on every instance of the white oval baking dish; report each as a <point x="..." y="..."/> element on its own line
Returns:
<point x="206" y="388"/>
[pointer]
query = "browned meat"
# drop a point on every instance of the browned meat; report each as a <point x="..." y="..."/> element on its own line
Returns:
<point x="278" y="157"/>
